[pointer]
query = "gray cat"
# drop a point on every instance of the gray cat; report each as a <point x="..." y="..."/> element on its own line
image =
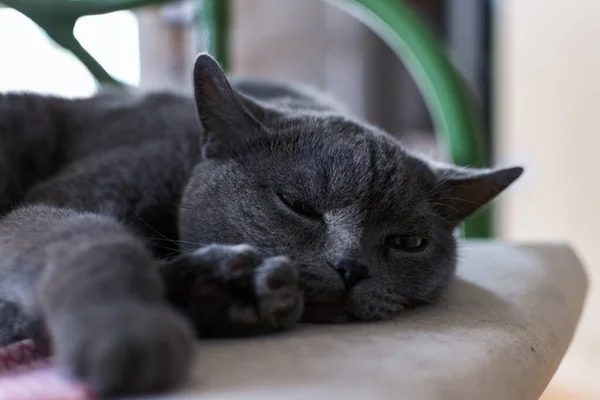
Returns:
<point x="276" y="205"/>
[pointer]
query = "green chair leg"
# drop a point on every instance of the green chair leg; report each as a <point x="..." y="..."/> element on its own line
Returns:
<point x="58" y="18"/>
<point x="457" y="123"/>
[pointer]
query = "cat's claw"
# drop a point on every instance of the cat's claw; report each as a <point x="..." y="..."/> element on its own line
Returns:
<point x="234" y="291"/>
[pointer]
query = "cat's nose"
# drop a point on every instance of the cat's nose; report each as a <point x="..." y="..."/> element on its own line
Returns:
<point x="350" y="270"/>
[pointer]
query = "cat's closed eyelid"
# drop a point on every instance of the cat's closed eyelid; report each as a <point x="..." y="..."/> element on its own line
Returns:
<point x="301" y="207"/>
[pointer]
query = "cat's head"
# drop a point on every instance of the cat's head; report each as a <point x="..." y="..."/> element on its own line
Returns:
<point x="370" y="226"/>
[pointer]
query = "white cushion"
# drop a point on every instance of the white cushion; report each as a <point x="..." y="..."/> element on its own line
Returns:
<point x="499" y="333"/>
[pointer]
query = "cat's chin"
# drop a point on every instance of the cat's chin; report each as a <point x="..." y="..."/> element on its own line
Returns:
<point x="339" y="307"/>
<point x="347" y="309"/>
<point x="330" y="312"/>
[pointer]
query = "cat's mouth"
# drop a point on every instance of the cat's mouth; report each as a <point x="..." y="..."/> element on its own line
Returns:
<point x="327" y="298"/>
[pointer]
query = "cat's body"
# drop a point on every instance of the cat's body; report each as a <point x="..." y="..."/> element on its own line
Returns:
<point x="89" y="185"/>
<point x="108" y="145"/>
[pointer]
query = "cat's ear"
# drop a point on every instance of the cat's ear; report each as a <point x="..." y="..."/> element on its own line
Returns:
<point x="226" y="122"/>
<point x="461" y="192"/>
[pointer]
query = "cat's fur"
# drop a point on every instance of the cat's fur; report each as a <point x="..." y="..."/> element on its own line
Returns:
<point x="89" y="186"/>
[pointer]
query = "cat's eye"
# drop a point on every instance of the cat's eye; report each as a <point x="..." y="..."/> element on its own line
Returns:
<point x="411" y="243"/>
<point x="298" y="206"/>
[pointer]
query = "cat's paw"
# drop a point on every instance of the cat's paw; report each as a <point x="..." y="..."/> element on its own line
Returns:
<point x="124" y="348"/>
<point x="278" y="302"/>
<point x="234" y="291"/>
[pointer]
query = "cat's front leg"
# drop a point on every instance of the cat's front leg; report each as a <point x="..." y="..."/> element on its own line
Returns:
<point x="96" y="288"/>
<point x="232" y="291"/>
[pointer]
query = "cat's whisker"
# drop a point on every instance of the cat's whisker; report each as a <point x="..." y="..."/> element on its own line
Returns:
<point x="447" y="206"/>
<point x="436" y="216"/>
<point x="458" y="199"/>
<point x="175" y="241"/>
<point x="165" y="247"/>
<point x="161" y="241"/>
<point x="454" y="175"/>
<point x="191" y="243"/>
<point x="178" y="205"/>
<point x="139" y="217"/>
<point x="158" y="239"/>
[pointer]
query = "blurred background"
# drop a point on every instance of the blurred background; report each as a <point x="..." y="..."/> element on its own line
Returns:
<point x="533" y="68"/>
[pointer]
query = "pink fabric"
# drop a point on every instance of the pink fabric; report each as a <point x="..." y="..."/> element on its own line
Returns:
<point x="26" y="374"/>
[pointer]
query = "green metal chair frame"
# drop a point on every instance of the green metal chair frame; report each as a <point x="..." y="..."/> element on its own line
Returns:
<point x="455" y="117"/>
<point x="58" y="18"/>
